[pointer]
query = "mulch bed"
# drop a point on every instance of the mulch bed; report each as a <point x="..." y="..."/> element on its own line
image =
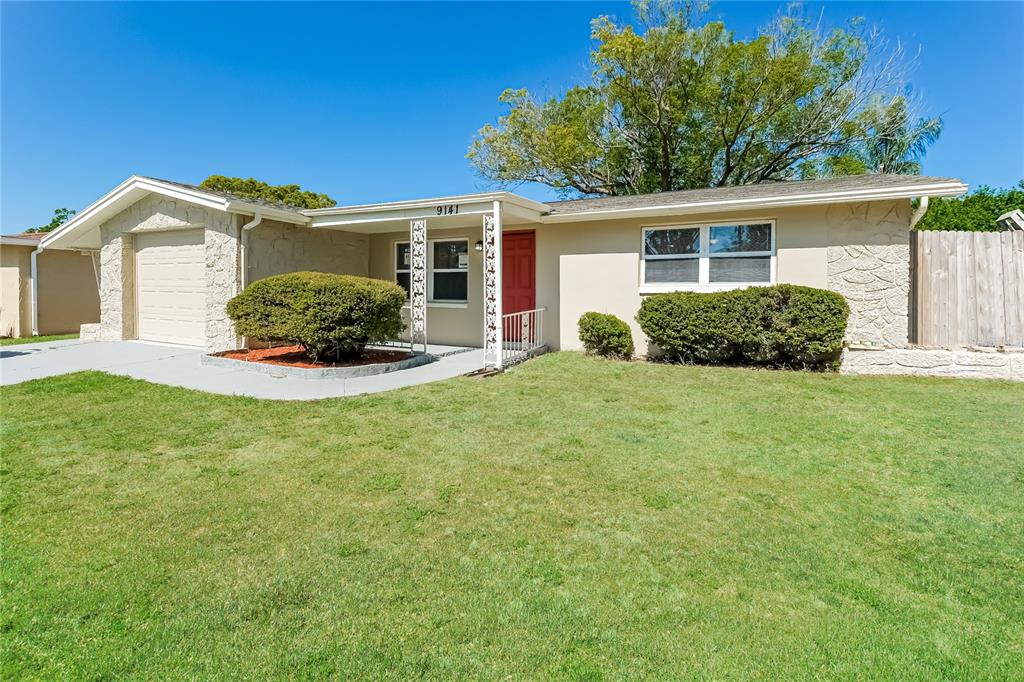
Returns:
<point x="294" y="356"/>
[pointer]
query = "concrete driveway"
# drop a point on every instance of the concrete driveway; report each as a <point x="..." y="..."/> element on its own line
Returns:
<point x="179" y="366"/>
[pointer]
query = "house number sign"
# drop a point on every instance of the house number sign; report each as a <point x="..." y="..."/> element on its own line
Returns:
<point x="447" y="209"/>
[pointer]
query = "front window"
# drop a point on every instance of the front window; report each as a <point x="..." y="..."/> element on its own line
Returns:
<point x="740" y="253"/>
<point x="672" y="255"/>
<point x="708" y="255"/>
<point x="447" y="269"/>
<point x="403" y="266"/>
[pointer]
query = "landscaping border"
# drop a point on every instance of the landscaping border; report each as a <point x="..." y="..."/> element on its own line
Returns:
<point x="320" y="372"/>
<point x="976" y="363"/>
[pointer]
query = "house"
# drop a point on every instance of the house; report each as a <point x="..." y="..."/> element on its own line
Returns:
<point x="172" y="255"/>
<point x="67" y="294"/>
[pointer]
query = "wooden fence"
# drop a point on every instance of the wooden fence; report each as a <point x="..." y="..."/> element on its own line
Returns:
<point x="968" y="288"/>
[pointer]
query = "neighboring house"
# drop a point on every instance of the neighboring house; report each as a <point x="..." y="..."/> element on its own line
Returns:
<point x="67" y="294"/>
<point x="172" y="255"/>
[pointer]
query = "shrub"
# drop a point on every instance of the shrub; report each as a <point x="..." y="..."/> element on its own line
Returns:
<point x="606" y="335"/>
<point x="328" y="315"/>
<point x="779" y="326"/>
<point x="977" y="211"/>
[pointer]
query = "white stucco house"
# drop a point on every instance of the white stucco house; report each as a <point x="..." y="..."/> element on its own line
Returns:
<point x="486" y="268"/>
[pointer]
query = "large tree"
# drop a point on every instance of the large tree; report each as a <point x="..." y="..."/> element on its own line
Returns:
<point x="60" y="216"/>
<point x="293" y="195"/>
<point x="675" y="104"/>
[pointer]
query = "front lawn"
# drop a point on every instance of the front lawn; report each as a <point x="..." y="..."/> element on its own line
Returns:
<point x="9" y="341"/>
<point x="575" y="518"/>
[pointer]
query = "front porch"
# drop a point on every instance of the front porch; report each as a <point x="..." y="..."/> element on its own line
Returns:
<point x="468" y="264"/>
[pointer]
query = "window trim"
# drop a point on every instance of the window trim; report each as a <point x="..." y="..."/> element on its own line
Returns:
<point x="442" y="303"/>
<point x="704" y="255"/>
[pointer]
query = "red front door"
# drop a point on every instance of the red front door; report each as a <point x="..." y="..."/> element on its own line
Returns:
<point x="518" y="272"/>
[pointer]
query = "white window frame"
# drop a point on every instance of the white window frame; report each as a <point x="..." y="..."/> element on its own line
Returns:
<point x="430" y="271"/>
<point x="704" y="282"/>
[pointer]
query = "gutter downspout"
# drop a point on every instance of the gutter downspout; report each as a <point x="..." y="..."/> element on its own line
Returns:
<point x="256" y="220"/>
<point x="34" y="274"/>
<point x="922" y="208"/>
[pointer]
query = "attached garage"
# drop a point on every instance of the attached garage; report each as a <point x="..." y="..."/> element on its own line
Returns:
<point x="170" y="281"/>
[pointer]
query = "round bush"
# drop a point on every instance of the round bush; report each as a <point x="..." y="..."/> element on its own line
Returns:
<point x="332" y="316"/>
<point x="779" y="326"/>
<point x="606" y="335"/>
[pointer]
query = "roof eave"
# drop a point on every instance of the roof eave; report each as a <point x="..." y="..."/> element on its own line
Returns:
<point x="505" y="197"/>
<point x="906" y="192"/>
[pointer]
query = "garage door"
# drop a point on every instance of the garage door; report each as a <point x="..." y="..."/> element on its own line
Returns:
<point x="170" y="285"/>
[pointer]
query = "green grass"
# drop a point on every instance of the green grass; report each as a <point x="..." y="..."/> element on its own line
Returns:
<point x="575" y="518"/>
<point x="6" y="341"/>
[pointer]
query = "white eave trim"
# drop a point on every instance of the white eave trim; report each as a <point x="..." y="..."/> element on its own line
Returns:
<point x="902" y="192"/>
<point x="505" y="197"/>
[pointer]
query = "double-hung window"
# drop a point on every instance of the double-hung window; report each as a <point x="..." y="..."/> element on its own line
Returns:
<point x="447" y="269"/>
<point x="713" y="256"/>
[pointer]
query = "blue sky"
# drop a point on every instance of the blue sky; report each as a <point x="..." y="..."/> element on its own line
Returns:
<point x="376" y="102"/>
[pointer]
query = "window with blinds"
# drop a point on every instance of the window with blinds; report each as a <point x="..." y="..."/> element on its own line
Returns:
<point x="713" y="254"/>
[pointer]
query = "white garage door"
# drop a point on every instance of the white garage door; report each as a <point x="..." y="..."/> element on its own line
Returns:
<point x="170" y="285"/>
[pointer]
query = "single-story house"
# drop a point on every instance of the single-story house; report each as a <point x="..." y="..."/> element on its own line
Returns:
<point x="65" y="288"/>
<point x="485" y="269"/>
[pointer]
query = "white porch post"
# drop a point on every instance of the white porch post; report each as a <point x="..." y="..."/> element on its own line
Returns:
<point x="418" y="283"/>
<point x="493" y="333"/>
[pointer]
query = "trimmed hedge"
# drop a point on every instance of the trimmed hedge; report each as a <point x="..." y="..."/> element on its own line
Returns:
<point x="779" y="326"/>
<point x="328" y="315"/>
<point x="606" y="335"/>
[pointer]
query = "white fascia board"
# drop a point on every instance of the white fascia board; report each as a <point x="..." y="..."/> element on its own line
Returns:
<point x="486" y="197"/>
<point x="392" y="214"/>
<point x="906" y="192"/>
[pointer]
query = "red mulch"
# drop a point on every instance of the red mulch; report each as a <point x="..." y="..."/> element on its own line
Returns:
<point x="294" y="356"/>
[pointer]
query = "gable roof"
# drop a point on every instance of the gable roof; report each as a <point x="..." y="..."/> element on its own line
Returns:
<point x="790" y="193"/>
<point x="297" y="210"/>
<point x="82" y="231"/>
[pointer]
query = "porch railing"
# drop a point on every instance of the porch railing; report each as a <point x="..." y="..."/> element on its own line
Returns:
<point x="522" y="335"/>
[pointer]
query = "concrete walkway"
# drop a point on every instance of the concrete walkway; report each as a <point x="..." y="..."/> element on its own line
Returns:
<point x="178" y="366"/>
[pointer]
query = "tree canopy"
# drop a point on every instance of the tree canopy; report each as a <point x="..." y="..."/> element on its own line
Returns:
<point x="60" y="216"/>
<point x="977" y="211"/>
<point x="675" y="104"/>
<point x="293" y="195"/>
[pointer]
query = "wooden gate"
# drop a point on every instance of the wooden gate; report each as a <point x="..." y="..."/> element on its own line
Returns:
<point x="968" y="288"/>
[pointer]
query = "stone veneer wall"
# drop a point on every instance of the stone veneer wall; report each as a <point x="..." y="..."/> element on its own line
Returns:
<point x="869" y="264"/>
<point x="117" y="265"/>
<point x="976" y="364"/>
<point x="275" y="248"/>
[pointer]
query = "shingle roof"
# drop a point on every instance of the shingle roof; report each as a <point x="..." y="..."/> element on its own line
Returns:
<point x="230" y="195"/>
<point x="744" y="192"/>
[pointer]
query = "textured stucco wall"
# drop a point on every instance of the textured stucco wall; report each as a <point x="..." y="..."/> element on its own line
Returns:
<point x="869" y="264"/>
<point x="452" y="324"/>
<point x="116" y="283"/>
<point x="68" y="297"/>
<point x="275" y="248"/>
<point x="117" y="265"/>
<point x="935" y="362"/>
<point x="859" y="250"/>
<point x="222" y="278"/>
<point x="15" y="290"/>
<point x="596" y="265"/>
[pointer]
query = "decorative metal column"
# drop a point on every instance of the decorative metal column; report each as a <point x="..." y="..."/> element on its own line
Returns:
<point x="493" y="334"/>
<point x="418" y="284"/>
